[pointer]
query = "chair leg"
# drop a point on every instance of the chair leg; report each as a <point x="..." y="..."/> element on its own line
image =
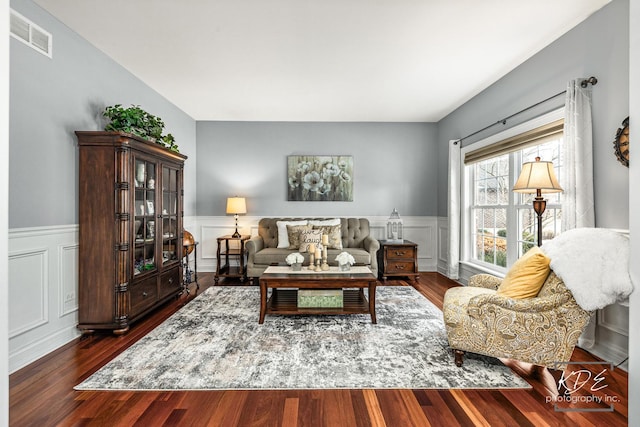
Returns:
<point x="457" y="357"/>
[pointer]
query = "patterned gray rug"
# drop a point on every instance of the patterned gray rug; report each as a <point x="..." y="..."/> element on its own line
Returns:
<point x="215" y="342"/>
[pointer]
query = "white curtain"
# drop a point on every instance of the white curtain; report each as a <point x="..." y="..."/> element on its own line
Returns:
<point x="453" y="258"/>
<point x="576" y="175"/>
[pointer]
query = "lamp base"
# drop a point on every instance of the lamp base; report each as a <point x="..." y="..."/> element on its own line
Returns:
<point x="539" y="206"/>
<point x="236" y="234"/>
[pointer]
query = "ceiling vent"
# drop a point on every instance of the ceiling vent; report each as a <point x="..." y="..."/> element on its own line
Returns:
<point x="30" y="34"/>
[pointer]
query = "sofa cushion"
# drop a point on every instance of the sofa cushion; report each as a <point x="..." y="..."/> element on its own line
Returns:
<point x="361" y="256"/>
<point x="309" y="237"/>
<point x="321" y="222"/>
<point x="334" y="232"/>
<point x="526" y="276"/>
<point x="273" y="255"/>
<point x="294" y="233"/>
<point x="269" y="256"/>
<point x="354" y="231"/>
<point x="283" y="237"/>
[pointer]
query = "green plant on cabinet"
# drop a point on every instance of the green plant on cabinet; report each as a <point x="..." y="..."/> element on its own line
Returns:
<point x="136" y="121"/>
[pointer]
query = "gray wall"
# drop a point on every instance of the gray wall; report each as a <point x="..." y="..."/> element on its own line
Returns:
<point x="49" y="100"/>
<point x="597" y="47"/>
<point x="395" y="165"/>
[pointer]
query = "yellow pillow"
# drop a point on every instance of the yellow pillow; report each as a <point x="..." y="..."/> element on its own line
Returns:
<point x="526" y="276"/>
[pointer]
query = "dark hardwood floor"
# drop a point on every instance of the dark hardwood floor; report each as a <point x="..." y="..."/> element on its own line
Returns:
<point x="42" y="394"/>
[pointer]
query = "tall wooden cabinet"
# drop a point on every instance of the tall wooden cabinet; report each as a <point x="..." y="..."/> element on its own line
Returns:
<point x="130" y="208"/>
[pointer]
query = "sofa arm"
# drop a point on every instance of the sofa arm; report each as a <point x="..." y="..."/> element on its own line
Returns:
<point x="252" y="246"/>
<point x="495" y="303"/>
<point x="372" y="245"/>
<point x="486" y="281"/>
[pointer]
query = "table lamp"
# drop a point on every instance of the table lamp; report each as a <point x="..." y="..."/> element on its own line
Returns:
<point x="537" y="177"/>
<point x="236" y="205"/>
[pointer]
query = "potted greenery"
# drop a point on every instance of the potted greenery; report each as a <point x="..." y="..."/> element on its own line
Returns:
<point x="136" y="121"/>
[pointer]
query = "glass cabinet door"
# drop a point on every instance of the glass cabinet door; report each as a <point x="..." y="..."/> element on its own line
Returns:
<point x="144" y="224"/>
<point x="169" y="228"/>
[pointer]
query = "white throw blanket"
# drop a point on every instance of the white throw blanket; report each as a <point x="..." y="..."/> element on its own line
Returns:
<point x="594" y="265"/>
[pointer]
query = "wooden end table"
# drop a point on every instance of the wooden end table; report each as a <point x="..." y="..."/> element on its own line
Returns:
<point x="285" y="301"/>
<point x="398" y="259"/>
<point x="224" y="250"/>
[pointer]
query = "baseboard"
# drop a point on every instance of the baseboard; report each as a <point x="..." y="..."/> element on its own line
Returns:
<point x="612" y="354"/>
<point x="26" y="355"/>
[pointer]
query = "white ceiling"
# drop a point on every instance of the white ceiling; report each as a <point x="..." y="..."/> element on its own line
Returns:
<point x="322" y="60"/>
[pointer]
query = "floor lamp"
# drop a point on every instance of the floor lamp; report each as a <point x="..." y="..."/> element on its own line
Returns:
<point x="537" y="177"/>
<point x="235" y="206"/>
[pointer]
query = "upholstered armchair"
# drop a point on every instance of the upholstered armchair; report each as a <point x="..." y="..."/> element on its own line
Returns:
<point x="541" y="330"/>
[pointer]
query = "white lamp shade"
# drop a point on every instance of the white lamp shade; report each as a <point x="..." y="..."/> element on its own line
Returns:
<point x="537" y="176"/>
<point x="236" y="205"/>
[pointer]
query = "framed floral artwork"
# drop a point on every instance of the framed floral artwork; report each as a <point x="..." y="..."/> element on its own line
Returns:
<point x="320" y="178"/>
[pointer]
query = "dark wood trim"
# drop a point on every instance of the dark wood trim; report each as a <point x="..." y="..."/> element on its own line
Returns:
<point x="126" y="140"/>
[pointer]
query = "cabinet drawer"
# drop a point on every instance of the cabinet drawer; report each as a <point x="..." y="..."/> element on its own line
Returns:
<point x="170" y="282"/>
<point x="403" y="252"/>
<point x="400" y="267"/>
<point x="143" y="294"/>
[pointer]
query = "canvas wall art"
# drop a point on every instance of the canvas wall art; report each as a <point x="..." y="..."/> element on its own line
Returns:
<point x="320" y="178"/>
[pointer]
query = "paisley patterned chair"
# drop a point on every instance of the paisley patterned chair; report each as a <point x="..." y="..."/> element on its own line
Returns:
<point x="542" y="330"/>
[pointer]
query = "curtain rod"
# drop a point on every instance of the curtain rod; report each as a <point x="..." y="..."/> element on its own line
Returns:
<point x="583" y="83"/>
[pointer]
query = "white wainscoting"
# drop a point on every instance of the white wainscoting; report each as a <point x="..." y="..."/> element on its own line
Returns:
<point x="443" y="244"/>
<point x="612" y="335"/>
<point x="419" y="229"/>
<point x="43" y="291"/>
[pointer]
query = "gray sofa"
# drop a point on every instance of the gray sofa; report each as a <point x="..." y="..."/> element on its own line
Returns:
<point x="262" y="249"/>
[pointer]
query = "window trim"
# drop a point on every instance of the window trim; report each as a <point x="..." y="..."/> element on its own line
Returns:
<point x="535" y="136"/>
<point x="466" y="187"/>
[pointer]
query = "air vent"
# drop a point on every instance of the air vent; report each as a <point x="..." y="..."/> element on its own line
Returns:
<point x="30" y="34"/>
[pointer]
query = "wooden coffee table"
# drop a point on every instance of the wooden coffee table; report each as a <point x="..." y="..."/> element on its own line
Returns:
<point x="285" y="301"/>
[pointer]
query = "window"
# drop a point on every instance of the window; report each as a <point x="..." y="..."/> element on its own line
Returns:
<point x="500" y="225"/>
<point x="489" y="207"/>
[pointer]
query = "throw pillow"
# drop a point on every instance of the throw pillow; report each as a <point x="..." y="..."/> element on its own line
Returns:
<point x="333" y="221"/>
<point x="335" y="235"/>
<point x="526" y="276"/>
<point x="293" y="232"/>
<point x="283" y="237"/>
<point x="308" y="237"/>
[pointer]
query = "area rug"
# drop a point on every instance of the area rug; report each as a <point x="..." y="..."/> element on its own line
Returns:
<point x="216" y="343"/>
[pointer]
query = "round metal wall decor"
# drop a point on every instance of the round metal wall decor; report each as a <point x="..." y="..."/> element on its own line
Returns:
<point x="621" y="143"/>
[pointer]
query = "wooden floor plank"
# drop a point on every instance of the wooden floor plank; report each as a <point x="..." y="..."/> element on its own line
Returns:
<point x="373" y="408"/>
<point x="399" y="409"/>
<point x="42" y="394"/>
<point x="468" y="406"/>
<point x="435" y="408"/>
<point x="265" y="409"/>
<point x="229" y="409"/>
<point x="290" y="413"/>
